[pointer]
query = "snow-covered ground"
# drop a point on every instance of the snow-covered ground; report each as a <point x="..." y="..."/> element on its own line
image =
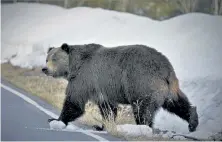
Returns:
<point x="192" y="42"/>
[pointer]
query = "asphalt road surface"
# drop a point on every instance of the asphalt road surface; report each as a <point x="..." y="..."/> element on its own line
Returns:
<point x="24" y="118"/>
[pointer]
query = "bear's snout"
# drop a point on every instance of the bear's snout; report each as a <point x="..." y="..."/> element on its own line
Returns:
<point x="45" y="70"/>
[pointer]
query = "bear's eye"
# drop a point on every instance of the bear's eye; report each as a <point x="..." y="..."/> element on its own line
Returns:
<point x="53" y="59"/>
<point x="46" y="60"/>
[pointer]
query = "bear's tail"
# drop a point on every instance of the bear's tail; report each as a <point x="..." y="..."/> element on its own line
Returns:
<point x="179" y="104"/>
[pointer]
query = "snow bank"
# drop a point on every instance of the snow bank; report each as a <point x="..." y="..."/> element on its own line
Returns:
<point x="129" y="130"/>
<point x="29" y="27"/>
<point x="134" y="130"/>
<point x="192" y="43"/>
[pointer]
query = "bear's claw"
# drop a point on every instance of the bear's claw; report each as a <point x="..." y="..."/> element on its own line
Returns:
<point x="51" y="119"/>
<point x="98" y="128"/>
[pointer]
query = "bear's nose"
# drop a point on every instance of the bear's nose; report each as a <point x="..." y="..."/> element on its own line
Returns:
<point x="45" y="70"/>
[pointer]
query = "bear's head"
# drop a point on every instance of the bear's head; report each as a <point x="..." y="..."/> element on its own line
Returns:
<point x="57" y="62"/>
<point x="58" y="59"/>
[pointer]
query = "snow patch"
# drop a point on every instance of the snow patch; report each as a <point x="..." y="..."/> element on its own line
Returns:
<point x="71" y="127"/>
<point x="134" y="130"/>
<point x="57" y="125"/>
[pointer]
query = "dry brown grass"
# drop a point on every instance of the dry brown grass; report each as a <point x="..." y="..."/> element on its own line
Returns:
<point x="46" y="88"/>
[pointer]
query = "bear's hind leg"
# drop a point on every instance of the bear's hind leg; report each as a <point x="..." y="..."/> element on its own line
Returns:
<point x="108" y="111"/>
<point x="144" y="111"/>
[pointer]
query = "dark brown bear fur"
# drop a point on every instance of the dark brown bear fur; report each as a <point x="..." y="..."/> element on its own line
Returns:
<point x="135" y="74"/>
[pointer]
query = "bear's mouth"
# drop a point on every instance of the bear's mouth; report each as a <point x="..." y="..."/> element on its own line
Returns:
<point x="48" y="74"/>
<point x="53" y="75"/>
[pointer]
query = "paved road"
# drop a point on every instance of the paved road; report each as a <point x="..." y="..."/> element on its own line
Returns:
<point x="23" y="121"/>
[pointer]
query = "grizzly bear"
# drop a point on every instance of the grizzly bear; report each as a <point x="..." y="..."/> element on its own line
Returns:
<point x="134" y="74"/>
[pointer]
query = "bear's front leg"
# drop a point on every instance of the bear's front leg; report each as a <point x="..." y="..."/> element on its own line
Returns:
<point x="71" y="110"/>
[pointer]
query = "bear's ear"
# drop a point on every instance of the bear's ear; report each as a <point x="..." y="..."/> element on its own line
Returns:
<point x="50" y="48"/>
<point x="65" y="47"/>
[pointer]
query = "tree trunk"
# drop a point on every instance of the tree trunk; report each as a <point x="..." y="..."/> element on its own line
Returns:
<point x="216" y="7"/>
<point x="80" y="3"/>
<point x="109" y="4"/>
<point x="124" y="5"/>
<point x="187" y="6"/>
<point x="220" y="8"/>
<point x="66" y="3"/>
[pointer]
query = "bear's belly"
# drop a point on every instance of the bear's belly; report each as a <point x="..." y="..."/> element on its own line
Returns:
<point x="115" y="96"/>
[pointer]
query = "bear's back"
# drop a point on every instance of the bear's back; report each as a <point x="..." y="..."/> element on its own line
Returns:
<point x="132" y="57"/>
